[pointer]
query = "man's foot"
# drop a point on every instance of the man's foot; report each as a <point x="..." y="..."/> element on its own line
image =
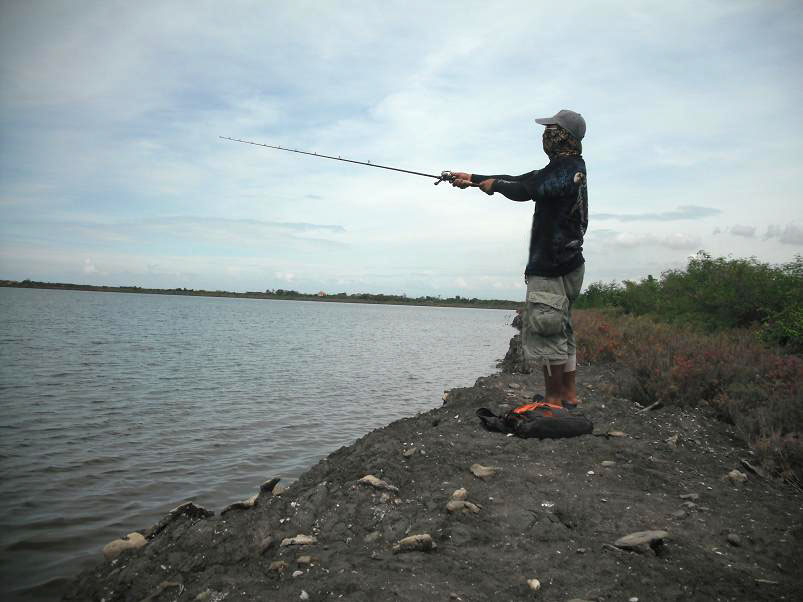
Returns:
<point x="569" y="405"/>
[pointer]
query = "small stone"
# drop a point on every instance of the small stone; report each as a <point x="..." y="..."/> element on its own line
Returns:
<point x="633" y="599"/>
<point x="305" y="560"/>
<point x="616" y="434"/>
<point x="460" y="494"/>
<point x="297" y="574"/>
<point x="303" y="595"/>
<point x="299" y="540"/>
<point x="462" y="506"/>
<point x="372" y="537"/>
<point x="408" y="452"/>
<point x="590" y="473"/>
<point x="278" y="566"/>
<point x="689" y="505"/>
<point x="483" y="472"/>
<point x="163" y="586"/>
<point x="642" y="541"/>
<point x="514" y="386"/>
<point x="534" y="584"/>
<point x="679" y="514"/>
<point x="736" y="476"/>
<point x="608" y="463"/>
<point x="204" y="596"/>
<point x="279" y="489"/>
<point x="734" y="540"/>
<point x="581" y="550"/>
<point x="415" y="543"/>
<point x="690" y="496"/>
<point x="376" y="483"/>
<point x="132" y="541"/>
<point x="673" y="440"/>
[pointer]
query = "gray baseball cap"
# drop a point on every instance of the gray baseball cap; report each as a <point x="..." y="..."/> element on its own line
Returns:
<point x="569" y="120"/>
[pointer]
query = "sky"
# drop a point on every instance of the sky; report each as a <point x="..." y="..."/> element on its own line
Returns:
<point x="112" y="170"/>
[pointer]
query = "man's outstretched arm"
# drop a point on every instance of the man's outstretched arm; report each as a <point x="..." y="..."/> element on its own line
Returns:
<point x="515" y="191"/>
<point x="510" y="186"/>
<point x="538" y="185"/>
<point x="476" y="178"/>
<point x="513" y="187"/>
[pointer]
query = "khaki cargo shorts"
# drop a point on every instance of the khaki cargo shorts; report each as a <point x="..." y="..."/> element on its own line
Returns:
<point x="547" y="334"/>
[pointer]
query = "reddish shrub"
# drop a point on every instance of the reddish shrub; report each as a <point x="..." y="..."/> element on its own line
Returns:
<point x="597" y="339"/>
<point x="747" y="384"/>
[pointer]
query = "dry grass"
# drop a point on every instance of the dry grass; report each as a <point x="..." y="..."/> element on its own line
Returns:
<point x="747" y="384"/>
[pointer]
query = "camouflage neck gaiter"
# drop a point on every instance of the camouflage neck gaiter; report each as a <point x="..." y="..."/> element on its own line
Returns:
<point x="560" y="143"/>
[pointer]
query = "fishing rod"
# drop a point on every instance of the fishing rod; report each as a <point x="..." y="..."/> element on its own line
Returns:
<point x="446" y="176"/>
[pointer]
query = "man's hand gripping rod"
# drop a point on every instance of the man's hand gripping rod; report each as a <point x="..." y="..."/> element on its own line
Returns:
<point x="446" y="176"/>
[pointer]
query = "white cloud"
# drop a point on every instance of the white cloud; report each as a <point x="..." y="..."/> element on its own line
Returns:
<point x="745" y="231"/>
<point x="89" y="267"/>
<point x="684" y="212"/>
<point x="629" y="240"/>
<point x="791" y="234"/>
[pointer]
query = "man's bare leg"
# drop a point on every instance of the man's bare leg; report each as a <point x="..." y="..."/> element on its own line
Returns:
<point x="569" y="386"/>
<point x="553" y="383"/>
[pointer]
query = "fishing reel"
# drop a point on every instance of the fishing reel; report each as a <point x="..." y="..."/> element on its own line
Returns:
<point x="446" y="176"/>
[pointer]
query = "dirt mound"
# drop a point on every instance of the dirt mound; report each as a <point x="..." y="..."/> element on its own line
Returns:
<point x="549" y="516"/>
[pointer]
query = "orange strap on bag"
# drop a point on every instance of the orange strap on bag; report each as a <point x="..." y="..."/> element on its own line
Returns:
<point x="528" y="407"/>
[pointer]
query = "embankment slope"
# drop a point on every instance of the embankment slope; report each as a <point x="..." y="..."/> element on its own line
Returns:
<point x="550" y="512"/>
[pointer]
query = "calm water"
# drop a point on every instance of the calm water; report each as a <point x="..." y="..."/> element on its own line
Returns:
<point x="114" y="408"/>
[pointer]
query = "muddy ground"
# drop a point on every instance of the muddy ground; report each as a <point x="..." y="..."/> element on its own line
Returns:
<point x="551" y="512"/>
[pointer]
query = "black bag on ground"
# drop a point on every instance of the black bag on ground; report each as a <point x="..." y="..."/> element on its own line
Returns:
<point x="538" y="420"/>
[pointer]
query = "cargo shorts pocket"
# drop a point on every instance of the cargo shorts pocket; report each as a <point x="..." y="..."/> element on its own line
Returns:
<point x="546" y="312"/>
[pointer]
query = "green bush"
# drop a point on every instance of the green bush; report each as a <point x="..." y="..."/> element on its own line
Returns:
<point x="715" y="294"/>
<point x="600" y="294"/>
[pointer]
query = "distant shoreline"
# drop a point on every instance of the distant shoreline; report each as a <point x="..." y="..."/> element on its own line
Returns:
<point x="280" y="294"/>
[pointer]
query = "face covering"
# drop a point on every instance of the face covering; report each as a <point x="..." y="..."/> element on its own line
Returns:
<point x="560" y="143"/>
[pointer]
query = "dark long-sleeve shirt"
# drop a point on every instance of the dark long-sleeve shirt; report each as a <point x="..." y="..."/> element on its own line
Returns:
<point x="561" y="213"/>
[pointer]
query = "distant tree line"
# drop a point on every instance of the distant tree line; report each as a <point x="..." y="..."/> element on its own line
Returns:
<point x="289" y="294"/>
<point x="400" y="299"/>
<point x="715" y="294"/>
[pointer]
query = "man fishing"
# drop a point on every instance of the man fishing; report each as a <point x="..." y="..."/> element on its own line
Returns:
<point x="554" y="273"/>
